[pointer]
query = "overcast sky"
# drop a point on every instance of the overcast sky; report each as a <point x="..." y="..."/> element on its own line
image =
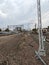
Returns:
<point x="13" y="12"/>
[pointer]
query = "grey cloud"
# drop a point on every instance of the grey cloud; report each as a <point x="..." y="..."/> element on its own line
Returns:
<point x="2" y="1"/>
<point x="20" y="11"/>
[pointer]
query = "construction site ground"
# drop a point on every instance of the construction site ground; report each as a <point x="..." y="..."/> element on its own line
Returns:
<point x="19" y="49"/>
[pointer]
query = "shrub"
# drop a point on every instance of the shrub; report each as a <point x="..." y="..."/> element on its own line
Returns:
<point x="48" y="27"/>
<point x="0" y="29"/>
<point x="7" y="30"/>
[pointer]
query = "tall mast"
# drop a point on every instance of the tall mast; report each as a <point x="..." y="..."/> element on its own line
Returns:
<point x="41" y="50"/>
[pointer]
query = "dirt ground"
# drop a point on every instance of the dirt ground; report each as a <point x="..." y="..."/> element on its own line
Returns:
<point x="19" y="50"/>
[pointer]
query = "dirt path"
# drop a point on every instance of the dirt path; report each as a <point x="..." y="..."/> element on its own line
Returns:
<point x="18" y="50"/>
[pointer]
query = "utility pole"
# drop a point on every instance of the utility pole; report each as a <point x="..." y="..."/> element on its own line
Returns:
<point x="41" y="50"/>
<point x="35" y="25"/>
